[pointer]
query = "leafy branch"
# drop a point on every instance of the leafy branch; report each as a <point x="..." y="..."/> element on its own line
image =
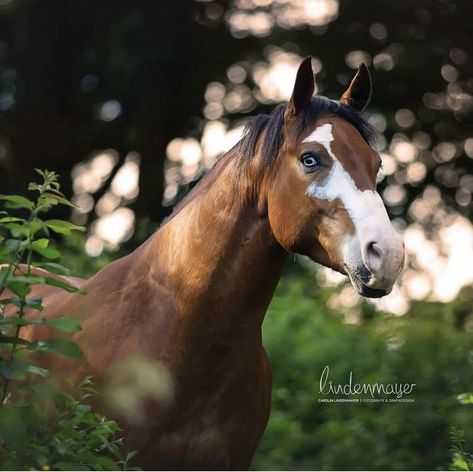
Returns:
<point x="41" y="427"/>
<point x="25" y="236"/>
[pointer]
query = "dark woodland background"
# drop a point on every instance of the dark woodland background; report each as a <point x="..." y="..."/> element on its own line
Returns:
<point x="80" y="77"/>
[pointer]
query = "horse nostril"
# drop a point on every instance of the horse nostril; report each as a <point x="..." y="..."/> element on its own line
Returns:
<point x="373" y="257"/>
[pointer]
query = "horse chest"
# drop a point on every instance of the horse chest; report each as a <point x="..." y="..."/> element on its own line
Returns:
<point x="217" y="426"/>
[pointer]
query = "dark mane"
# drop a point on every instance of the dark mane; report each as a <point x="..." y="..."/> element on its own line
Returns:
<point x="274" y="122"/>
<point x="243" y="152"/>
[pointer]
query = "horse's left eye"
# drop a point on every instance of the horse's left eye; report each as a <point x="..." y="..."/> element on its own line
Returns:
<point x="310" y="162"/>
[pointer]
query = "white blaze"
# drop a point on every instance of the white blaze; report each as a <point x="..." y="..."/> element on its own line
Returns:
<point x="365" y="208"/>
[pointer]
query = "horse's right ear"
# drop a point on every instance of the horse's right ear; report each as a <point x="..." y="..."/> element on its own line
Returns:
<point x="358" y="93"/>
<point x="303" y="89"/>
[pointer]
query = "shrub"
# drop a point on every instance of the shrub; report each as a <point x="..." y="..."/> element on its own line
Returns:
<point x="41" y="426"/>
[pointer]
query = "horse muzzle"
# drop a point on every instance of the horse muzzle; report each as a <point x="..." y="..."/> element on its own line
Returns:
<point x="378" y="268"/>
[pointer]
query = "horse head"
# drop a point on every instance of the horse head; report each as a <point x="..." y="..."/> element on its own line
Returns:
<point x="321" y="189"/>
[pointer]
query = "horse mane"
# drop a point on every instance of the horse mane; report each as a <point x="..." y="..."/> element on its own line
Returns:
<point x="272" y="125"/>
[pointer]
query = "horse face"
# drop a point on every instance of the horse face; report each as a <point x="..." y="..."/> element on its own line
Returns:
<point x="323" y="201"/>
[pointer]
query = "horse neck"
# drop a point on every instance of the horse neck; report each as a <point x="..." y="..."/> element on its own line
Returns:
<point x="219" y="260"/>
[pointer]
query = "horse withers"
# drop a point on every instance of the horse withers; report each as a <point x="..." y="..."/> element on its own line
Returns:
<point x="193" y="297"/>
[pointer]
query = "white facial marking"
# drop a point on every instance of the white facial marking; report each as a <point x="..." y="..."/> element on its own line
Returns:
<point x="365" y="208"/>
<point x="323" y="135"/>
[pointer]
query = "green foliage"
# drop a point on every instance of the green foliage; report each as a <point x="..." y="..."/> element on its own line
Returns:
<point x="425" y="347"/>
<point x="461" y="460"/>
<point x="42" y="427"/>
<point x="22" y="238"/>
<point x="60" y="432"/>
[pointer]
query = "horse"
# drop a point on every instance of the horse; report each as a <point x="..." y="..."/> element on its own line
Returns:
<point x="194" y="295"/>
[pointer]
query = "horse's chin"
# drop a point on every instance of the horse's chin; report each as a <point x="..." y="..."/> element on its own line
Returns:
<point x="368" y="292"/>
<point x="360" y="279"/>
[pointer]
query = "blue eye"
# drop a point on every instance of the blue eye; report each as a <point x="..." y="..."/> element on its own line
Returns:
<point x="310" y="161"/>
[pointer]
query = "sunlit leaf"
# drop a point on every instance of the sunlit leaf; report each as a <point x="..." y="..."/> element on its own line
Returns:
<point x="465" y="398"/>
<point x="40" y="243"/>
<point x="63" y="227"/>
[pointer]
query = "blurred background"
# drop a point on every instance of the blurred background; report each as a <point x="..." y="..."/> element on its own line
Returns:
<point x="133" y="101"/>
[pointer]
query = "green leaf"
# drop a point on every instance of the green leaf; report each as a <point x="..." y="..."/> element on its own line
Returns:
<point x="31" y="279"/>
<point x="13" y="244"/>
<point x="16" y="229"/>
<point x="34" y="226"/>
<point x="20" y="288"/>
<point x="58" y="199"/>
<point x="4" y="251"/>
<point x="48" y="252"/>
<point x="459" y="463"/>
<point x="66" y="324"/>
<point x="40" y="243"/>
<point x="465" y="398"/>
<point x="105" y="463"/>
<point x="63" y="227"/>
<point x="61" y="284"/>
<point x="54" y="267"/>
<point x="49" y="176"/>
<point x="60" y="345"/>
<point x="11" y="219"/>
<point x="16" y="201"/>
<point x="34" y="369"/>
<point x="46" y="204"/>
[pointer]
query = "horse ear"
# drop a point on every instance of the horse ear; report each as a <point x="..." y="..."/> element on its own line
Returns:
<point x="358" y="93"/>
<point x="303" y="89"/>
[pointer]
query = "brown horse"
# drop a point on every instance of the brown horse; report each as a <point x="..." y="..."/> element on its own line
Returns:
<point x="195" y="294"/>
